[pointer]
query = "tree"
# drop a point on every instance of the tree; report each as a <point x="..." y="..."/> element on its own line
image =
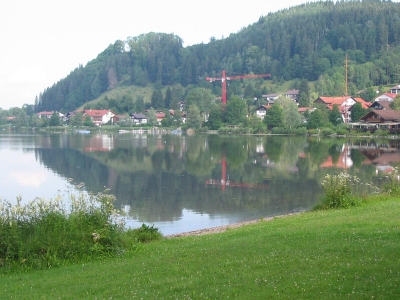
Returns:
<point x="316" y="119"/>
<point x="139" y="103"/>
<point x="236" y="111"/>
<point x="202" y="97"/>
<point x="335" y="116"/>
<point x="168" y="98"/>
<point x="304" y="93"/>
<point x="194" y="119"/>
<point x="54" y="120"/>
<point x="88" y="122"/>
<point x="357" y="111"/>
<point x="151" y="117"/>
<point x="395" y="105"/>
<point x="215" y="117"/>
<point x="77" y="120"/>
<point x="290" y="115"/>
<point x="157" y="99"/>
<point x="168" y="120"/>
<point x="273" y="117"/>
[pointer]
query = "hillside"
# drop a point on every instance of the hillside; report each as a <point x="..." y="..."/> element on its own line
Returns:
<point x="309" y="42"/>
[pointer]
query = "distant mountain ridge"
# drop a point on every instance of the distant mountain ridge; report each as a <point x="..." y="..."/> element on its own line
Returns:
<point x="307" y="41"/>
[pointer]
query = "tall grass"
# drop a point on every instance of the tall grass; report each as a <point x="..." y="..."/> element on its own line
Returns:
<point x="344" y="190"/>
<point x="43" y="234"/>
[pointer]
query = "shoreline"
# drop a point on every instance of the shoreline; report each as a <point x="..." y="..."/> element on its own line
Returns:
<point x="223" y="228"/>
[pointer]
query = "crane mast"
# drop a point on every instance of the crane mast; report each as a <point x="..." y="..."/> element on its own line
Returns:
<point x="224" y="78"/>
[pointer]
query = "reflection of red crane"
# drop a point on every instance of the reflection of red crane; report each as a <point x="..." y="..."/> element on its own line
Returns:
<point x="224" y="78"/>
<point x="224" y="182"/>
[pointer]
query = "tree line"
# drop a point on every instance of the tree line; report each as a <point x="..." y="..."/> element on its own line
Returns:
<point x="309" y="42"/>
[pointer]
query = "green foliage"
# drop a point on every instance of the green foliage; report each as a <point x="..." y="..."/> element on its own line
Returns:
<point x="339" y="191"/>
<point x="54" y="120"/>
<point x="43" y="234"/>
<point x="202" y="97"/>
<point x="157" y="99"/>
<point x="357" y="111"/>
<point x="335" y="117"/>
<point x="194" y="118"/>
<point x="236" y="110"/>
<point x="144" y="234"/>
<point x="151" y="117"/>
<point x="273" y="117"/>
<point x="316" y="119"/>
<point x="290" y="115"/>
<point x="392" y="187"/>
<point x="327" y="131"/>
<point x="215" y="117"/>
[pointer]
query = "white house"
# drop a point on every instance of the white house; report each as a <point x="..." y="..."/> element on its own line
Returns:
<point x="261" y="111"/>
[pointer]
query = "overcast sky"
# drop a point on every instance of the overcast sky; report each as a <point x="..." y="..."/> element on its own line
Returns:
<point x="42" y="41"/>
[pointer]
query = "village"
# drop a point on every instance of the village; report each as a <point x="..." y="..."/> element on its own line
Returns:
<point x="379" y="113"/>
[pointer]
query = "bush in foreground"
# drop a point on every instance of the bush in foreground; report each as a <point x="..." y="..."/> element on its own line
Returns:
<point x="344" y="190"/>
<point x="43" y="234"/>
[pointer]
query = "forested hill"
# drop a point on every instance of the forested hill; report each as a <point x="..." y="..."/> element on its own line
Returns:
<point x="308" y="41"/>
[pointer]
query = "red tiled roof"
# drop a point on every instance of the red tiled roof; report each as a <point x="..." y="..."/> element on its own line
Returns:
<point x="96" y="112"/>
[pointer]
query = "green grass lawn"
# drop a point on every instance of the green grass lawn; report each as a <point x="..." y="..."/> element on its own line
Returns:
<point x="336" y="254"/>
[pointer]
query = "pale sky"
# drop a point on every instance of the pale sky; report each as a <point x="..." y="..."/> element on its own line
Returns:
<point x="42" y="41"/>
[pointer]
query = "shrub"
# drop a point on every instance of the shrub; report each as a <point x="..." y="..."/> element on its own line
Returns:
<point x="43" y="234"/>
<point x="381" y="132"/>
<point x="343" y="190"/>
<point x="392" y="187"/>
<point x="144" y="234"/>
<point x="327" y="131"/>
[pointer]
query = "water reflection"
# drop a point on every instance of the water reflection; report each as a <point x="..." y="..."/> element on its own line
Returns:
<point x="180" y="183"/>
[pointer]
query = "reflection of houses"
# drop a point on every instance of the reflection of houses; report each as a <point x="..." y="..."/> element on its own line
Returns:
<point x="381" y="158"/>
<point x="100" y="143"/>
<point x="344" y="160"/>
<point x="224" y="181"/>
<point x="379" y="119"/>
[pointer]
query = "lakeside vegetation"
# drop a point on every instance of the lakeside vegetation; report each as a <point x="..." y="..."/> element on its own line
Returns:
<point x="327" y="251"/>
<point x="340" y="253"/>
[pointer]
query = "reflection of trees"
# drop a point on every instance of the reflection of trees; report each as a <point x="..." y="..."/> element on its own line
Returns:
<point x="169" y="173"/>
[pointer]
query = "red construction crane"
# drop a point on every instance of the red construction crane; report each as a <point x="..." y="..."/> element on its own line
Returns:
<point x="224" y="78"/>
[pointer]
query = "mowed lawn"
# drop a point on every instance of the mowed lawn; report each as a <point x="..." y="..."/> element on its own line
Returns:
<point x="336" y="254"/>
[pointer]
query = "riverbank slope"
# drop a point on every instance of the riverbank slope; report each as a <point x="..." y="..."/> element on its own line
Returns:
<point x="350" y="253"/>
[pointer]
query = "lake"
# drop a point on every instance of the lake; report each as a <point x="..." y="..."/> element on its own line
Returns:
<point x="181" y="183"/>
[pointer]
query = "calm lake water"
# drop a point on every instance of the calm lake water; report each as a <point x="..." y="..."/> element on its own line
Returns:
<point x="181" y="183"/>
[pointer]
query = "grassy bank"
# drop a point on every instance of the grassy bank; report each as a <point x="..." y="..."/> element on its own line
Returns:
<point x="333" y="254"/>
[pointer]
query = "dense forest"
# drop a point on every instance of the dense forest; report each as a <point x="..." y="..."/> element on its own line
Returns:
<point x="307" y="42"/>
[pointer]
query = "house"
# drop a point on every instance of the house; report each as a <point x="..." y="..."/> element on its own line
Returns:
<point x="138" y="118"/>
<point x="344" y="103"/>
<point x="379" y="119"/>
<point x="48" y="114"/>
<point x="160" y="116"/>
<point x="302" y="110"/>
<point x="381" y="105"/>
<point x="100" y="116"/>
<point x="270" y="97"/>
<point x="395" y="89"/>
<point x="261" y="111"/>
<point x="292" y="94"/>
<point x="386" y="97"/>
